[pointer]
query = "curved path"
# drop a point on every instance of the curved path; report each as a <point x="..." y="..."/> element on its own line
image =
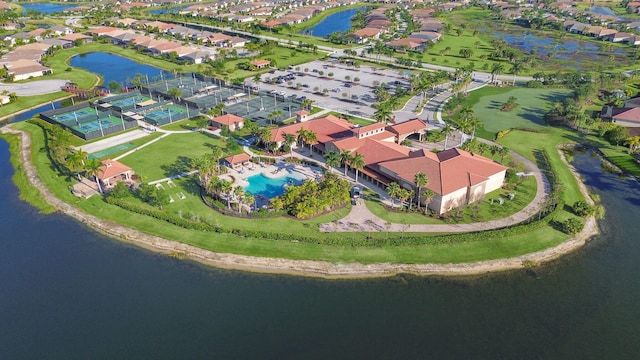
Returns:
<point x="361" y="219"/>
<point x="313" y="268"/>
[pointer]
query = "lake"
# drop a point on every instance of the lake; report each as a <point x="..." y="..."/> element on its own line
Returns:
<point x="46" y="8"/>
<point x="114" y="67"/>
<point x="68" y="292"/>
<point x="340" y="21"/>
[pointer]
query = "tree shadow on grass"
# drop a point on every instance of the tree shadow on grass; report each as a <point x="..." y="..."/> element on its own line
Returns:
<point x="180" y="166"/>
<point x="191" y="186"/>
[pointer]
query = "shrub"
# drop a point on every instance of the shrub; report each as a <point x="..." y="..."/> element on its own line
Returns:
<point x="534" y="84"/>
<point x="571" y="226"/>
<point x="582" y="208"/>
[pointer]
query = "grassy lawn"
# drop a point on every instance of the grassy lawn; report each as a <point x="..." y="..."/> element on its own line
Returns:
<point x="172" y="155"/>
<point x="28" y="102"/>
<point x="532" y="105"/>
<point x="488" y="248"/>
<point x="485" y="210"/>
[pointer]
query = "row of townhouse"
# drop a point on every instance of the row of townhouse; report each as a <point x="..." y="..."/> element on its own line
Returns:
<point x="24" y="62"/>
<point x="455" y="176"/>
<point x="603" y="27"/>
<point x="36" y="35"/>
<point x="153" y="46"/>
<point x="183" y="33"/>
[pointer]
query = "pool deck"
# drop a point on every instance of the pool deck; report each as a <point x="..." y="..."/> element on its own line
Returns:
<point x="239" y="177"/>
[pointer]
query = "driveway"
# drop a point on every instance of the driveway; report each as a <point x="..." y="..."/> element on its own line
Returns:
<point x="32" y="88"/>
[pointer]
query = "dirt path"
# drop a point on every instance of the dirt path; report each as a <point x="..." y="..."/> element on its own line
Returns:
<point x="285" y="266"/>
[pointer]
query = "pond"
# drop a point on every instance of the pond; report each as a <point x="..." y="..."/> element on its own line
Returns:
<point x="33" y="112"/>
<point x="46" y="8"/>
<point x="567" y="49"/>
<point x="162" y="11"/>
<point x="340" y="21"/>
<point x="115" y="68"/>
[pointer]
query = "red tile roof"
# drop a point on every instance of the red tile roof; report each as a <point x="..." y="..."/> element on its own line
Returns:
<point x="326" y="129"/>
<point x="448" y="171"/>
<point x="367" y="128"/>
<point x="408" y="127"/>
<point x="632" y="114"/>
<point x="227" y="119"/>
<point x="238" y="159"/>
<point x="111" y="168"/>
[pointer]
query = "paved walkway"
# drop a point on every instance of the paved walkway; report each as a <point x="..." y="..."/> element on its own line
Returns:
<point x="361" y="219"/>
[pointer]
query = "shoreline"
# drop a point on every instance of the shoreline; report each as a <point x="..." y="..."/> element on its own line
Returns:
<point x="308" y="268"/>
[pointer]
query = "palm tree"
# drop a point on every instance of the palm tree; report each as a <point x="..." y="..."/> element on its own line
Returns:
<point x="403" y="195"/>
<point x="249" y="199"/>
<point x="495" y="70"/>
<point x="93" y="169"/>
<point x="516" y="67"/>
<point x="332" y="158"/>
<point x="311" y="139"/>
<point x="393" y="189"/>
<point x="307" y="103"/>
<point x="421" y="180"/>
<point x="216" y="154"/>
<point x="357" y="162"/>
<point x="446" y="130"/>
<point x="494" y="149"/>
<point x="76" y="161"/>
<point x="383" y="113"/>
<point x="238" y="191"/>
<point x="227" y="188"/>
<point x="264" y="134"/>
<point x="345" y="158"/>
<point x="504" y="151"/>
<point x="274" y="115"/>
<point x="289" y="140"/>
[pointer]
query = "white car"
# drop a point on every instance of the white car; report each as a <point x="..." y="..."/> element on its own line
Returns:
<point x="273" y="92"/>
<point x="283" y="93"/>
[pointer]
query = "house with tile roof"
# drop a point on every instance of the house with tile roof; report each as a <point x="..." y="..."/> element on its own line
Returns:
<point x="629" y="118"/>
<point x="456" y="177"/>
<point x="230" y="121"/>
<point x="113" y="171"/>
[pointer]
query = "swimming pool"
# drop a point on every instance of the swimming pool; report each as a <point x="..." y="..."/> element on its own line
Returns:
<point x="272" y="187"/>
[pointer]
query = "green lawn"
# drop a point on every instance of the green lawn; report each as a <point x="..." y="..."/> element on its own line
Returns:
<point x="172" y="155"/>
<point x="498" y="246"/>
<point x="484" y="210"/>
<point x="529" y="113"/>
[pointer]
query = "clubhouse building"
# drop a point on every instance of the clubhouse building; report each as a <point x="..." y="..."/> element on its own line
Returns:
<point x="456" y="177"/>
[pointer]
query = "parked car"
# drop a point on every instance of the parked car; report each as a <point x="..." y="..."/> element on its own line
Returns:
<point x="347" y="85"/>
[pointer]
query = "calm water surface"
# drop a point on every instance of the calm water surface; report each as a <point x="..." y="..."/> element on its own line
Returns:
<point x="46" y="8"/>
<point x="68" y="292"/>
<point x="115" y="68"/>
<point x="340" y="21"/>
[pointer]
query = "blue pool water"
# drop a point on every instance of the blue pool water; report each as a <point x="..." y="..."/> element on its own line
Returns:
<point x="270" y="188"/>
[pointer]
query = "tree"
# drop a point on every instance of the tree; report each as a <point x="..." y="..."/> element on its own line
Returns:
<point x="393" y="189"/>
<point x="496" y="68"/>
<point x="504" y="151"/>
<point x="76" y="161"/>
<point x="516" y="68"/>
<point x="114" y="86"/>
<point x="274" y="115"/>
<point x="332" y="159"/>
<point x="633" y="143"/>
<point x="466" y="53"/>
<point x="227" y="188"/>
<point x="421" y="180"/>
<point x="446" y="130"/>
<point x="289" y="140"/>
<point x="306" y="104"/>
<point x="383" y="113"/>
<point x="617" y="134"/>
<point x="345" y="158"/>
<point x="249" y="200"/>
<point x="494" y="149"/>
<point x="93" y="169"/>
<point x="357" y="162"/>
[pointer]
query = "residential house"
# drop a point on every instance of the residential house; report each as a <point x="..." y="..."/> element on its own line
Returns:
<point x="230" y="121"/>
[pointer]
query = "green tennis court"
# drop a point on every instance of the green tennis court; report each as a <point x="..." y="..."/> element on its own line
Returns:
<point x="112" y="150"/>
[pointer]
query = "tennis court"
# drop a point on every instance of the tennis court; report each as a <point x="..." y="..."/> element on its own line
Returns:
<point x="166" y="115"/>
<point x="98" y="125"/>
<point x="109" y="151"/>
<point x="131" y="101"/>
<point x="76" y="116"/>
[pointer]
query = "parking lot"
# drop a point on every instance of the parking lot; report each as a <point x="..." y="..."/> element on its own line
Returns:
<point x="349" y="90"/>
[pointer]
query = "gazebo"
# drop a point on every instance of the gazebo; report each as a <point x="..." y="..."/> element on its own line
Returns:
<point x="239" y="160"/>
<point x="111" y="171"/>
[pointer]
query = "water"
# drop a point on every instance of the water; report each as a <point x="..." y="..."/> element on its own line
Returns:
<point x="68" y="292"/>
<point x="46" y="8"/>
<point x="114" y="67"/>
<point x="271" y="187"/>
<point x="340" y="21"/>
<point x="562" y="49"/>
<point x="33" y="112"/>
<point x="173" y="10"/>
